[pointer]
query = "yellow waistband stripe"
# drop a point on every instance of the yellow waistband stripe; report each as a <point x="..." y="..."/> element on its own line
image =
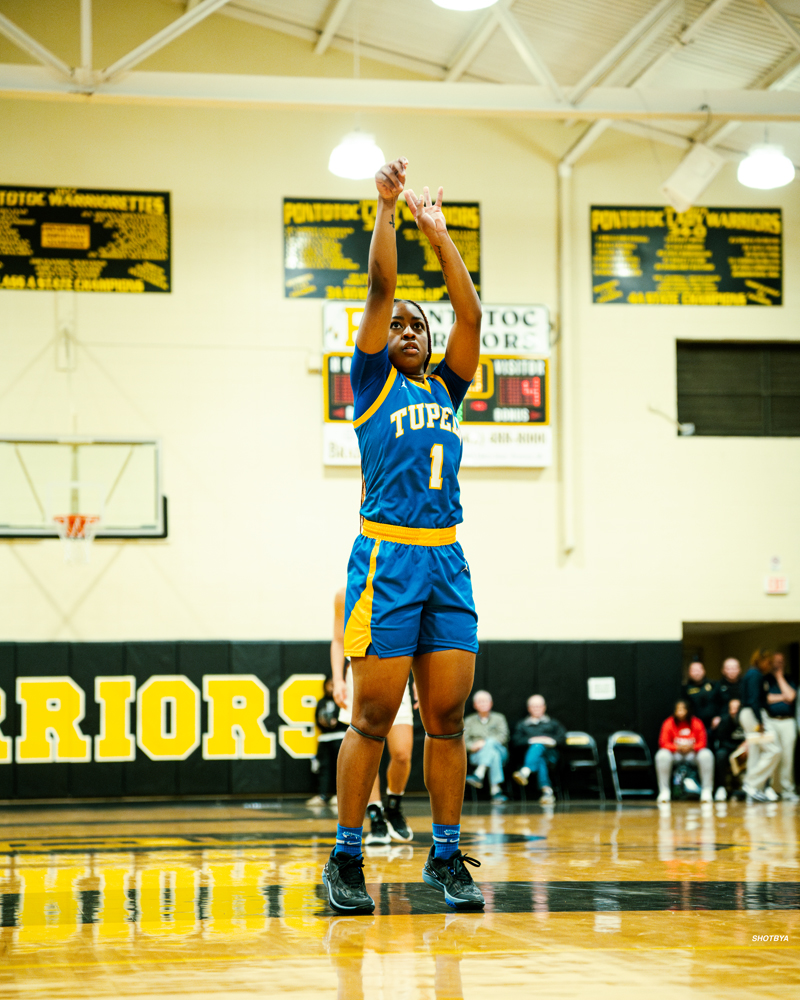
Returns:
<point x="409" y="536"/>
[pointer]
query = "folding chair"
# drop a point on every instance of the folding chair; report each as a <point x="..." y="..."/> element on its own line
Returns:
<point x="581" y="757"/>
<point x="628" y="753"/>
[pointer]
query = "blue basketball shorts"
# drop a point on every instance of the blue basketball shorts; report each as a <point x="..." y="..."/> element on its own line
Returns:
<point x="405" y="599"/>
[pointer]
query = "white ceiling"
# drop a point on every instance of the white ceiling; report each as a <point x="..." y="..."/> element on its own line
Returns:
<point x="620" y="59"/>
<point x="739" y="44"/>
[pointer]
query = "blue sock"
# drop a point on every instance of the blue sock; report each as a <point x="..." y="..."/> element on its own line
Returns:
<point x="348" y="839"/>
<point x="445" y="839"/>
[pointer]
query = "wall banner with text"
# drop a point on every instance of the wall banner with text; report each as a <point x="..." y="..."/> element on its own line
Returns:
<point x="74" y="240"/>
<point x="653" y="255"/>
<point x="504" y="420"/>
<point x="326" y="249"/>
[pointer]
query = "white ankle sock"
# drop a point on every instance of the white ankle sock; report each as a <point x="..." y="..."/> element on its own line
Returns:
<point x="480" y="771"/>
<point x="495" y="789"/>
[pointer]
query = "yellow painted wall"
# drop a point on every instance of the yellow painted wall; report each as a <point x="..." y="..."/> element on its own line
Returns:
<point x="668" y="529"/>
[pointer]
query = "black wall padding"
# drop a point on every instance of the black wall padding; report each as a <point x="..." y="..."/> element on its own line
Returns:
<point x="647" y="678"/>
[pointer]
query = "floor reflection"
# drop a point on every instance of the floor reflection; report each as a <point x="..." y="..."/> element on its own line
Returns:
<point x="573" y="896"/>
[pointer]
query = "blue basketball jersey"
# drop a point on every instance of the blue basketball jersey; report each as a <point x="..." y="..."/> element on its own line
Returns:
<point x="410" y="442"/>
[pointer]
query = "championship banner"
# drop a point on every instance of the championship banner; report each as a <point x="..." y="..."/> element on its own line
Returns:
<point x="505" y="417"/>
<point x="326" y="249"/>
<point x="653" y="255"/>
<point x="66" y="239"/>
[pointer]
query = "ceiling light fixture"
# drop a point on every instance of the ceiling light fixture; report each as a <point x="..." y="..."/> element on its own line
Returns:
<point x="765" y="167"/>
<point x="464" y="4"/>
<point x="356" y="157"/>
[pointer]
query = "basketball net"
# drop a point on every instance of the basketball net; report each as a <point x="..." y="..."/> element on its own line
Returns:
<point x="77" y="533"/>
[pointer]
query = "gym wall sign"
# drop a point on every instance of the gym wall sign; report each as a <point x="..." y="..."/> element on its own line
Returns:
<point x="326" y="249"/>
<point x="167" y="726"/>
<point x="652" y="255"/>
<point x="71" y="240"/>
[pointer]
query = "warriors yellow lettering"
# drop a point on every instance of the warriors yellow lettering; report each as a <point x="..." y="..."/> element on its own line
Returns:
<point x="166" y="898"/>
<point x="237" y="707"/>
<point x="168" y="717"/>
<point x="297" y="700"/>
<point x="5" y="742"/>
<point x="52" y="707"/>
<point x="115" y="696"/>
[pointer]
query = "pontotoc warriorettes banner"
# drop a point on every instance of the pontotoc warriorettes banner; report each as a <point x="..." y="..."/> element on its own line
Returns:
<point x="653" y="255"/>
<point x="326" y="249"/>
<point x="75" y="240"/>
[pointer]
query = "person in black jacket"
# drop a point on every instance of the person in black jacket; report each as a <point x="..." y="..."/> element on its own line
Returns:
<point x="699" y="692"/>
<point x="728" y="736"/>
<point x="541" y="736"/>
<point x="728" y="686"/>
<point x="331" y="734"/>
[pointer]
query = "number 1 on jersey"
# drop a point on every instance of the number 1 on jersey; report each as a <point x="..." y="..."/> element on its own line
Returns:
<point x="437" y="459"/>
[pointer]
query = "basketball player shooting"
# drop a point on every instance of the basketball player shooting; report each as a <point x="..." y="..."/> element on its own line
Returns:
<point x="408" y="601"/>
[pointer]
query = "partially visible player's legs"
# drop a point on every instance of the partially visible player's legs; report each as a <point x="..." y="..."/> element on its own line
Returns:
<point x="401" y="743"/>
<point x="378" y="687"/>
<point x="444" y="680"/>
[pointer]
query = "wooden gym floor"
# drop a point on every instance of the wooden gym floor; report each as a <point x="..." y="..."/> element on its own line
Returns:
<point x="221" y="899"/>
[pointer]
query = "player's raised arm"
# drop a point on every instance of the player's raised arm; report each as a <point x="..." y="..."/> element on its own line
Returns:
<point x="374" y="329"/>
<point x="463" y="346"/>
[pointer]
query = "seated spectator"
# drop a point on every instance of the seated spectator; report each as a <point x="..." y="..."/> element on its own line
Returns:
<point x="728" y="737"/>
<point x="763" y="749"/>
<point x="541" y="736"/>
<point x="328" y="744"/>
<point x="683" y="740"/>
<point x="698" y="693"/>
<point x="486" y="738"/>
<point x="781" y="711"/>
<point x="727" y="687"/>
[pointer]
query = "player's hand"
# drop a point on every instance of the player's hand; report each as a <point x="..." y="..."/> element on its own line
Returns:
<point x="391" y="178"/>
<point x="414" y="693"/>
<point x="340" y="693"/>
<point x="428" y="216"/>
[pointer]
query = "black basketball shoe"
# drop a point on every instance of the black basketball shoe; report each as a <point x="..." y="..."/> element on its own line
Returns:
<point x="343" y="878"/>
<point x="379" y="831"/>
<point x="452" y="878"/>
<point x="396" y="821"/>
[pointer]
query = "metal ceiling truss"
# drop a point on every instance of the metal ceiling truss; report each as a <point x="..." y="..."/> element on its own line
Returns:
<point x="587" y="101"/>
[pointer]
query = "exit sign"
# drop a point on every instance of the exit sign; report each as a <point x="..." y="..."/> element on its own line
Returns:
<point x="776" y="583"/>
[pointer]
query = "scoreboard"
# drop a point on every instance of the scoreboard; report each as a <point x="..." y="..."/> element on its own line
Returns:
<point x="505" y="417"/>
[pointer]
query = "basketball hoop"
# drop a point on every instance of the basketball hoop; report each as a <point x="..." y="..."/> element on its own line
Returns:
<point x="77" y="532"/>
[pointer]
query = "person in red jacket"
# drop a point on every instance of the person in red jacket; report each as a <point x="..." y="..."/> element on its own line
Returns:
<point x="683" y="740"/>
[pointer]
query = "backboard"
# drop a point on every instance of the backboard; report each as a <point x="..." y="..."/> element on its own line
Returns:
<point x="118" y="480"/>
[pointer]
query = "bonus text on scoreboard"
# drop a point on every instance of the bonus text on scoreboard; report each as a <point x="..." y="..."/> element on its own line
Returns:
<point x="167" y="722"/>
<point x="67" y="239"/>
<point x="653" y="255"/>
<point x="326" y="249"/>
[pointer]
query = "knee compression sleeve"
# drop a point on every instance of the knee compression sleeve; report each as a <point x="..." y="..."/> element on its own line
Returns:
<point x="367" y="736"/>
